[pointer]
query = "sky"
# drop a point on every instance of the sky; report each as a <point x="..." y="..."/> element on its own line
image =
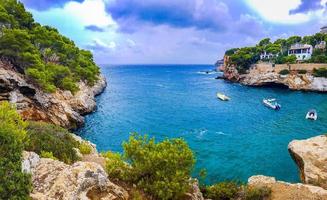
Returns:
<point x="175" y="31"/>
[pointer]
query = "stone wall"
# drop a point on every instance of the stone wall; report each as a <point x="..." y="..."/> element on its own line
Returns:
<point x="268" y="67"/>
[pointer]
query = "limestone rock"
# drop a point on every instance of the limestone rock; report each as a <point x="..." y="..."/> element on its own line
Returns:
<point x="30" y="161"/>
<point x="195" y="193"/>
<point x="287" y="191"/>
<point x="61" y="108"/>
<point x="310" y="156"/>
<point x="53" y="179"/>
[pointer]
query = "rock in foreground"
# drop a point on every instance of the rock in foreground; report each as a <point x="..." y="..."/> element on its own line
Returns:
<point x="287" y="191"/>
<point x="311" y="157"/>
<point x="53" y="179"/>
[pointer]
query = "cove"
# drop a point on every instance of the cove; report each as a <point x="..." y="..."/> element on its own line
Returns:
<point x="232" y="140"/>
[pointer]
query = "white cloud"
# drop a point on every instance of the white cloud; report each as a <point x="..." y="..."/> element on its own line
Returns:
<point x="98" y="44"/>
<point x="277" y="11"/>
<point x="90" y="12"/>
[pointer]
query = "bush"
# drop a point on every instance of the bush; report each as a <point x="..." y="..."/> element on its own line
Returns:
<point x="85" y="148"/>
<point x="160" y="169"/>
<point x="302" y="71"/>
<point x="257" y="193"/>
<point x="45" y="154"/>
<point x="51" y="138"/>
<point x="14" y="184"/>
<point x="322" y="72"/>
<point x="284" y="72"/>
<point x="222" y="191"/>
<point x="115" y="166"/>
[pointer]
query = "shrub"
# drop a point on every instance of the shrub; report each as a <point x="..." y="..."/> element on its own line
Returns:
<point x="51" y="138"/>
<point x="115" y="166"/>
<point x="45" y="154"/>
<point x="284" y="72"/>
<point x="14" y="184"/>
<point x="160" y="169"/>
<point x="85" y="148"/>
<point x="257" y="193"/>
<point x="302" y="71"/>
<point x="222" y="191"/>
<point x="322" y="72"/>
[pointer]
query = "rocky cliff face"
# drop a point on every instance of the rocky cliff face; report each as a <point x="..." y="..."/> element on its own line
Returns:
<point x="258" y="77"/>
<point x="286" y="191"/>
<point x="53" y="179"/>
<point x="61" y="108"/>
<point x="311" y="157"/>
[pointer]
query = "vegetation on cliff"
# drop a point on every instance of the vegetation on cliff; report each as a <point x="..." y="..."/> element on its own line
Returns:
<point x="50" y="59"/>
<point x="244" y="57"/>
<point x="14" y="184"/>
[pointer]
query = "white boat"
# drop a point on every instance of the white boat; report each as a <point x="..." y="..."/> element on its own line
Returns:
<point x="312" y="114"/>
<point x="271" y="103"/>
<point x="222" y="97"/>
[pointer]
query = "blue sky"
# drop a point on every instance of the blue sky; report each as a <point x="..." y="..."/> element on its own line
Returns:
<point x="175" y="31"/>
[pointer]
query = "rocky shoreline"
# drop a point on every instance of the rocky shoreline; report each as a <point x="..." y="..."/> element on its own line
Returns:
<point x="267" y="75"/>
<point x="61" y="108"/>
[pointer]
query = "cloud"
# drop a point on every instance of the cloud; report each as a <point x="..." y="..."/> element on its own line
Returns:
<point x="249" y="25"/>
<point x="45" y="4"/>
<point x="278" y="11"/>
<point x="201" y="14"/>
<point x="307" y="6"/>
<point x="99" y="45"/>
<point x="94" y="28"/>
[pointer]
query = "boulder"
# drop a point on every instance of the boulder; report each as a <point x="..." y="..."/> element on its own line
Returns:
<point x="310" y="155"/>
<point x="287" y="191"/>
<point x="53" y="179"/>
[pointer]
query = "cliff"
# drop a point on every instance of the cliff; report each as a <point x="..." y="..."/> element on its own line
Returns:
<point x="60" y="108"/>
<point x="263" y="74"/>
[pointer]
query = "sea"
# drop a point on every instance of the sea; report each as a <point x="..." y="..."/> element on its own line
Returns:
<point x="232" y="140"/>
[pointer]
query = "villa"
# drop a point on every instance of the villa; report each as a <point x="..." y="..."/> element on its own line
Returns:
<point x="266" y="56"/>
<point x="323" y="29"/>
<point x="301" y="51"/>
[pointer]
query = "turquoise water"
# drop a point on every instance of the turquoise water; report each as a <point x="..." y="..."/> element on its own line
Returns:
<point x="232" y="140"/>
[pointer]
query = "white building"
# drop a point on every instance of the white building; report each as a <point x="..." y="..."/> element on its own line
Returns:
<point x="301" y="51"/>
<point x="321" y="45"/>
<point x="266" y="56"/>
<point x="323" y="29"/>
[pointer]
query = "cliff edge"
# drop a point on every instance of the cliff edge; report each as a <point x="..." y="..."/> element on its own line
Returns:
<point x="61" y="107"/>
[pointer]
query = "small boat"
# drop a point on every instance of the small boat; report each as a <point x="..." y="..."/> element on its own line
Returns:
<point x="312" y="114"/>
<point x="271" y="103"/>
<point x="222" y="97"/>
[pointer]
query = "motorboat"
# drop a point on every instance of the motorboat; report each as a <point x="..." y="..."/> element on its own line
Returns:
<point x="222" y="97"/>
<point x="271" y="103"/>
<point x="312" y="114"/>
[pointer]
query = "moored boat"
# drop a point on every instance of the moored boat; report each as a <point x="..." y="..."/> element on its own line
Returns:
<point x="222" y="97"/>
<point x="312" y="114"/>
<point x="271" y="103"/>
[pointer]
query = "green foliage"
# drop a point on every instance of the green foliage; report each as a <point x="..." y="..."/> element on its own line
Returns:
<point x="289" y="59"/>
<point x="231" y="190"/>
<point x="322" y="72"/>
<point x="222" y="191"/>
<point x="231" y="51"/>
<point x="85" y="148"/>
<point x="302" y="71"/>
<point x="51" y="138"/>
<point x="50" y="59"/>
<point x="244" y="57"/>
<point x="161" y="169"/>
<point x="116" y="167"/>
<point x="284" y="72"/>
<point x="13" y="183"/>
<point x="264" y="42"/>
<point x="257" y="193"/>
<point x="45" y="154"/>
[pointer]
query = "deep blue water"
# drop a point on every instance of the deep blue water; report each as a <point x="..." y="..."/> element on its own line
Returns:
<point x="232" y="140"/>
